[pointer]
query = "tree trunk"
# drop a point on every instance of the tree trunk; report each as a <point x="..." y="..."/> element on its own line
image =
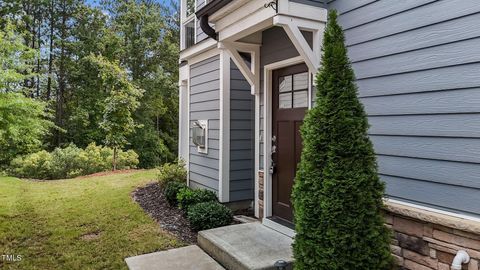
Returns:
<point x="115" y="152"/>
<point x="61" y="75"/>
<point x="50" y="52"/>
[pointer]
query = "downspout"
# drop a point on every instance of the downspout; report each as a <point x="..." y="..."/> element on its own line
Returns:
<point x="206" y="28"/>
<point x="462" y="257"/>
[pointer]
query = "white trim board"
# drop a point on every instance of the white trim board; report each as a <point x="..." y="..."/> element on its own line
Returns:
<point x="197" y="49"/>
<point x="278" y="227"/>
<point x="267" y="129"/>
<point x="224" y="159"/>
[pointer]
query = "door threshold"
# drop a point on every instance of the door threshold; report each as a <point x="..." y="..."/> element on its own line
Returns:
<point x="279" y="225"/>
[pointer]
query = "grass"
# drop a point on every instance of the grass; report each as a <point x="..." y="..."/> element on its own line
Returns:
<point x="86" y="223"/>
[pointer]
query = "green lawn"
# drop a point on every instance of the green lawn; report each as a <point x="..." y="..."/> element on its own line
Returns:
<point x="89" y="223"/>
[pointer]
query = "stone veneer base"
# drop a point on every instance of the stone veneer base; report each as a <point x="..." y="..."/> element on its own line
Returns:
<point x="425" y="240"/>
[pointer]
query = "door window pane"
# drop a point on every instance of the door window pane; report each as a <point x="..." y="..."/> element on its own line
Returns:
<point x="300" y="81"/>
<point x="285" y="100"/>
<point x="300" y="99"/>
<point x="285" y="84"/>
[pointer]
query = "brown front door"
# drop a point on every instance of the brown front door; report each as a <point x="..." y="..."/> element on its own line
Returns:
<point x="290" y="102"/>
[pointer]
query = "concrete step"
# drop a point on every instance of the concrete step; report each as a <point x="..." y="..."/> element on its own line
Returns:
<point x="186" y="258"/>
<point x="250" y="246"/>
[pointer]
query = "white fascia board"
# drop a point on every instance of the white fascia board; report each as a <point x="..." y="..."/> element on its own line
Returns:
<point x="203" y="56"/>
<point x="197" y="49"/>
<point x="258" y="21"/>
<point x="224" y="159"/>
<point x="231" y="7"/>
<point x="240" y="13"/>
<point x="304" y="11"/>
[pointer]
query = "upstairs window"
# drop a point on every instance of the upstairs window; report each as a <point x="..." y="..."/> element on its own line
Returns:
<point x="190" y="7"/>
<point x="188" y="23"/>
<point x="190" y="34"/>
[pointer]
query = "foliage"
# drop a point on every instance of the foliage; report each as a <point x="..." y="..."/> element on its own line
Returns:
<point x="171" y="189"/>
<point x="121" y="103"/>
<point x="16" y="59"/>
<point x="139" y="37"/>
<point x="89" y="224"/>
<point x="209" y="215"/>
<point x="24" y="123"/>
<point x="37" y="165"/>
<point x="172" y="172"/>
<point x="70" y="162"/>
<point x="337" y="194"/>
<point x="187" y="197"/>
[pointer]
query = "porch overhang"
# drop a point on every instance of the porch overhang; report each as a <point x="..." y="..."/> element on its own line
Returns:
<point x="239" y="19"/>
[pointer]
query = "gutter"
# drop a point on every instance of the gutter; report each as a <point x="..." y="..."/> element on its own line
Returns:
<point x="208" y="10"/>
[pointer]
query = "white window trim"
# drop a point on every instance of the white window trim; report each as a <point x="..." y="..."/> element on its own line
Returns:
<point x="184" y="21"/>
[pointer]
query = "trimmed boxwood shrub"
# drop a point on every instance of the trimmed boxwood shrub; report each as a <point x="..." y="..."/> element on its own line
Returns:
<point x="171" y="190"/>
<point x="337" y="194"/>
<point x="209" y="215"/>
<point x="187" y="197"/>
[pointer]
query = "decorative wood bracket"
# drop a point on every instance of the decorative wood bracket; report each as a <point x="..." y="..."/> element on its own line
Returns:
<point x="252" y="73"/>
<point x="293" y="27"/>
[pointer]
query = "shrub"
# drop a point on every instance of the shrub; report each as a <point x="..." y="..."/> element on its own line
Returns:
<point x="187" y="197"/>
<point x="127" y="160"/>
<point x="171" y="190"/>
<point x="209" y="215"/>
<point x="337" y="194"/>
<point x="66" y="162"/>
<point x="172" y="172"/>
<point x="37" y="165"/>
<point x="70" y="162"/>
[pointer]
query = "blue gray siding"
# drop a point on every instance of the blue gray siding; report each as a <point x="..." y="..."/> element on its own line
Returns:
<point x="276" y="47"/>
<point x="241" y="137"/>
<point x="205" y="105"/>
<point x="418" y="70"/>
<point x="200" y="35"/>
<point x="317" y="3"/>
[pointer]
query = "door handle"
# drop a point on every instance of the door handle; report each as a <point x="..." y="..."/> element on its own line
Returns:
<point x="272" y="168"/>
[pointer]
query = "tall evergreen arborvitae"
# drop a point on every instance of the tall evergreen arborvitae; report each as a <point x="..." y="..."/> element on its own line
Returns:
<point x="337" y="195"/>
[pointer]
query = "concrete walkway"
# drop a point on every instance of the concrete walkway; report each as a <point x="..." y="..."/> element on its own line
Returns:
<point x="249" y="246"/>
<point x="186" y="258"/>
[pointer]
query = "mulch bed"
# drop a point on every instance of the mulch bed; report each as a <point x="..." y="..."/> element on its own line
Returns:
<point x="171" y="219"/>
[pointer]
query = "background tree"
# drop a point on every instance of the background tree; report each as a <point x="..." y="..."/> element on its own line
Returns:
<point x="121" y="103"/>
<point x="24" y="124"/>
<point x="17" y="60"/>
<point x="142" y="36"/>
<point x="337" y="194"/>
<point x="150" y="52"/>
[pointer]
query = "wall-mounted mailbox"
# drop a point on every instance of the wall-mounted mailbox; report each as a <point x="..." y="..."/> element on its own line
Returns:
<point x="200" y="135"/>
